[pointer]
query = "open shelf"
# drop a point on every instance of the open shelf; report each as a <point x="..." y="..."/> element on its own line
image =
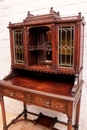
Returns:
<point x="40" y="47"/>
<point x="46" y="120"/>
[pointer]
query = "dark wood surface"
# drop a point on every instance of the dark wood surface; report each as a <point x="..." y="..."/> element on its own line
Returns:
<point x="52" y="93"/>
<point x="53" y="84"/>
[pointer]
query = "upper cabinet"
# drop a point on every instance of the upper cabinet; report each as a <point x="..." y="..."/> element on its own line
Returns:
<point x="48" y="43"/>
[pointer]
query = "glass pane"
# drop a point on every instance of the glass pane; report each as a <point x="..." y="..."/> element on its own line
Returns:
<point x="66" y="46"/>
<point x="19" y="48"/>
<point x="48" y="46"/>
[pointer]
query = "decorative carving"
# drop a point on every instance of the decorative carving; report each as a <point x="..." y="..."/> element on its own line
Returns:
<point x="48" y="103"/>
<point x="70" y="121"/>
<point x="39" y="100"/>
<point x="58" y="105"/>
<point x="68" y="18"/>
<point x="9" y="92"/>
<point x="13" y="93"/>
<point x="12" y="73"/>
<point x="16" y="24"/>
<point x="42" y="101"/>
<point x="19" y="95"/>
<point x="76" y="82"/>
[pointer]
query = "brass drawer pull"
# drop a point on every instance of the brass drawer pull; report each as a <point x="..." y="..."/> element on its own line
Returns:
<point x="12" y="94"/>
<point x="28" y="97"/>
<point x="47" y="103"/>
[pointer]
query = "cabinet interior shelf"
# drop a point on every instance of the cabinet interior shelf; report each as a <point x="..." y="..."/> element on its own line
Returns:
<point x="41" y="47"/>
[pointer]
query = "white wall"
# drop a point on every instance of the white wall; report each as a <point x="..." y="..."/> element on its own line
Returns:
<point x="16" y="11"/>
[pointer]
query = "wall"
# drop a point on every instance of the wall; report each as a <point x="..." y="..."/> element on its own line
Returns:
<point x="16" y="11"/>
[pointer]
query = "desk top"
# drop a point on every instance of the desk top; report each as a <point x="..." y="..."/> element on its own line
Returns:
<point x="43" y="83"/>
<point x="46" y="84"/>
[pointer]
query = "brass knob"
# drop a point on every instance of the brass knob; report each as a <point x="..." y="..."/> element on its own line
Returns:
<point x="28" y="97"/>
<point x="47" y="103"/>
<point x="12" y="94"/>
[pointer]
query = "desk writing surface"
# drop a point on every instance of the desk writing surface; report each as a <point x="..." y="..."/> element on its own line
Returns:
<point x="44" y="84"/>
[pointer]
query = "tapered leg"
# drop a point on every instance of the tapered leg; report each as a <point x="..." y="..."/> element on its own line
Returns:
<point x="3" y="114"/>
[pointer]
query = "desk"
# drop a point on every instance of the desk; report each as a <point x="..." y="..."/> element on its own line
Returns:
<point x="50" y="93"/>
<point x="46" y="66"/>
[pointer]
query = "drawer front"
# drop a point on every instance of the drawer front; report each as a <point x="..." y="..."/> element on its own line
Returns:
<point x="20" y="95"/>
<point x="41" y="100"/>
<point x="8" y="92"/>
<point x="50" y="102"/>
<point x="60" y="105"/>
<point x="37" y="99"/>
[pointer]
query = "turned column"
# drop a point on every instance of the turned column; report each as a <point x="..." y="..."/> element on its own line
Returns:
<point x="77" y="114"/>
<point x="3" y="113"/>
<point x="25" y="111"/>
<point x="70" y="115"/>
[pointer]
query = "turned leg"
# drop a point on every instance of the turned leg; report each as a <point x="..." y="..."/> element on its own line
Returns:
<point x="3" y="114"/>
<point x="25" y="111"/>
<point x="70" y="115"/>
<point x="69" y="124"/>
<point x="77" y="114"/>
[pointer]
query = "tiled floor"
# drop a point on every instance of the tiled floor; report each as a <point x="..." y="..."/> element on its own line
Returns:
<point x="22" y="125"/>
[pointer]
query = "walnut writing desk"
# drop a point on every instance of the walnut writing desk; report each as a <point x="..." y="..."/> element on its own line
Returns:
<point x="46" y="67"/>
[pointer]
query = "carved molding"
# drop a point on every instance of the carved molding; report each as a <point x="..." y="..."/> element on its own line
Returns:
<point x="12" y="73"/>
<point x="68" y="18"/>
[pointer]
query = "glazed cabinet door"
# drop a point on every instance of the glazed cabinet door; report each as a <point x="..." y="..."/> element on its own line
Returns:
<point x="66" y="48"/>
<point x="17" y="47"/>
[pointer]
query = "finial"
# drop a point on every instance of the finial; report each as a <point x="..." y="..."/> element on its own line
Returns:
<point x="28" y="14"/>
<point x="9" y="23"/>
<point x="79" y="15"/>
<point x="51" y="10"/>
<point x="58" y="13"/>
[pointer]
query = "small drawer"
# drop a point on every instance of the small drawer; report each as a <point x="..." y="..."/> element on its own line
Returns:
<point x="41" y="100"/>
<point x="8" y="92"/>
<point x="14" y="93"/>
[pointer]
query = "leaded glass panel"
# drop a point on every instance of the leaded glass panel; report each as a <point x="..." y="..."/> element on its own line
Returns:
<point x="66" y="46"/>
<point x="19" y="47"/>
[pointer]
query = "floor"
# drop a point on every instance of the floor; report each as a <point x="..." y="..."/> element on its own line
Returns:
<point x="21" y="125"/>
